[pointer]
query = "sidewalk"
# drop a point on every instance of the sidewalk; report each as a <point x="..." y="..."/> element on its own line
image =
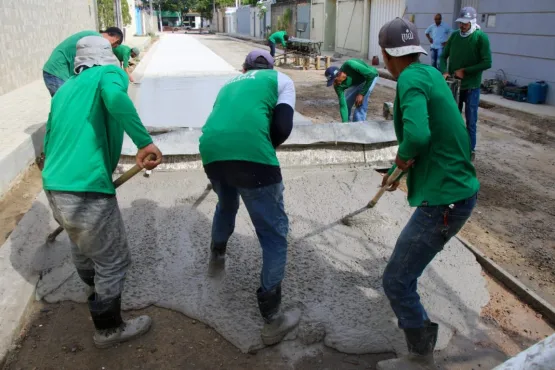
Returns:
<point x="535" y="109"/>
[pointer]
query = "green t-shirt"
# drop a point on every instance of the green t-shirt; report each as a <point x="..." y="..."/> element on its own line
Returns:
<point x="357" y="72"/>
<point x="84" y="132"/>
<point x="430" y="130"/>
<point x="238" y="129"/>
<point x="471" y="53"/>
<point x="278" y="36"/>
<point x="123" y="53"/>
<point x="60" y="63"/>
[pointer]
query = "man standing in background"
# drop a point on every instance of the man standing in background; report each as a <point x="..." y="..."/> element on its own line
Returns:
<point x="353" y="83"/>
<point x="279" y="36"/>
<point x="60" y="65"/>
<point x="469" y="55"/>
<point x="438" y="34"/>
<point x="124" y="53"/>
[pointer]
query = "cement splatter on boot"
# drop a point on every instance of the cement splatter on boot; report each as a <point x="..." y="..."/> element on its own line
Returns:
<point x="216" y="265"/>
<point x="274" y="331"/>
<point x="421" y="343"/>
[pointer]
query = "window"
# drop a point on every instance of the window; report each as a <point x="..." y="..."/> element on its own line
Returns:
<point x="490" y="22"/>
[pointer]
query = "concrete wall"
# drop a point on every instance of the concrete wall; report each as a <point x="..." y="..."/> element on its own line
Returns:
<point x="352" y="27"/>
<point x="522" y="43"/>
<point x="278" y="9"/>
<point x="30" y="29"/>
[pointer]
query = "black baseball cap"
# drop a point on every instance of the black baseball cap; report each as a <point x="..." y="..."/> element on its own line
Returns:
<point x="467" y="14"/>
<point x="400" y="37"/>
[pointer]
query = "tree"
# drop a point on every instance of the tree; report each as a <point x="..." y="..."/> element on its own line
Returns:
<point x="106" y="15"/>
<point x="180" y="6"/>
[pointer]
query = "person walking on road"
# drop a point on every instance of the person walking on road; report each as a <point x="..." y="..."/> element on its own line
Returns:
<point x="60" y="65"/>
<point x="252" y="116"/>
<point x="124" y="53"/>
<point x="441" y="179"/>
<point x="83" y="141"/>
<point x="438" y="34"/>
<point x="279" y="36"/>
<point x="353" y="83"/>
<point x="469" y="54"/>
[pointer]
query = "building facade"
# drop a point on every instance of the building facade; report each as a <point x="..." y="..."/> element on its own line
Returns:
<point x="30" y="29"/>
<point x="521" y="35"/>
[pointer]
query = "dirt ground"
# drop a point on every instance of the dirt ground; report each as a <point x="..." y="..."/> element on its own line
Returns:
<point x="513" y="224"/>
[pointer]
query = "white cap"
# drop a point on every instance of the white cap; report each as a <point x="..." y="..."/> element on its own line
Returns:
<point x="94" y="51"/>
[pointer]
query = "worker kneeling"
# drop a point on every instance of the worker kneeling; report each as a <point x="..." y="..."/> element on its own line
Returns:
<point x="252" y="116"/>
<point x="434" y="151"/>
<point x="84" y="137"/>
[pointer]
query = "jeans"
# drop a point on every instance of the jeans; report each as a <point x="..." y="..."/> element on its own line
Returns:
<point x="359" y="113"/>
<point x="52" y="82"/>
<point x="471" y="100"/>
<point x="97" y="236"/>
<point x="267" y="212"/>
<point x="425" y="235"/>
<point x="272" y="48"/>
<point x="435" y="54"/>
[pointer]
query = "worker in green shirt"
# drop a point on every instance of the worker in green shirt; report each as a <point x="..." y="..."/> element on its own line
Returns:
<point x="83" y="141"/>
<point x="279" y="36"/>
<point x="252" y="116"/>
<point x="469" y="54"/>
<point x="124" y="53"/>
<point x="59" y="66"/>
<point x="441" y="180"/>
<point x="353" y="83"/>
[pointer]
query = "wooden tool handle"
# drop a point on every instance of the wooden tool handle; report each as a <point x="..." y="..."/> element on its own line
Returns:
<point x="390" y="180"/>
<point x="132" y="172"/>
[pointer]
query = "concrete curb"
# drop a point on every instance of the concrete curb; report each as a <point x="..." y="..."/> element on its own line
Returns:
<point x="515" y="285"/>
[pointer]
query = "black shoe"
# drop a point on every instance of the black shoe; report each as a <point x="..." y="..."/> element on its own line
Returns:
<point x="277" y="324"/>
<point x="217" y="258"/>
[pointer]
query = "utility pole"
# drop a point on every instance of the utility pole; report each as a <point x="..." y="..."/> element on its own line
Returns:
<point x="151" y="15"/>
<point x="160" y="16"/>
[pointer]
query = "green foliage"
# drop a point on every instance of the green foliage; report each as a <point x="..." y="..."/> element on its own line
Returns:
<point x="106" y="15"/>
<point x="284" y="21"/>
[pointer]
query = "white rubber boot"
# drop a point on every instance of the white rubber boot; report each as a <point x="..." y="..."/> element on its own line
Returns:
<point x="130" y="329"/>
<point x="274" y="332"/>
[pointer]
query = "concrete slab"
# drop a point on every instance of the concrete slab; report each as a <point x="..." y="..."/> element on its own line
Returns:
<point x="333" y="274"/>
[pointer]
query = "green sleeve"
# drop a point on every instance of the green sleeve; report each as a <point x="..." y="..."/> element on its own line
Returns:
<point x="343" y="110"/>
<point x="118" y="104"/>
<point x="126" y="57"/>
<point x="369" y="74"/>
<point x="445" y="55"/>
<point x="416" y="127"/>
<point x="485" y="56"/>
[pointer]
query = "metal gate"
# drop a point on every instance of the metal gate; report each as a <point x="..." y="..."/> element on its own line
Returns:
<point x="303" y="21"/>
<point x="381" y="12"/>
<point x="244" y="20"/>
<point x="472" y="3"/>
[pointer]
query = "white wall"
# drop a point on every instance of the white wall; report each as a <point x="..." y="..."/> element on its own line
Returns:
<point x="352" y="25"/>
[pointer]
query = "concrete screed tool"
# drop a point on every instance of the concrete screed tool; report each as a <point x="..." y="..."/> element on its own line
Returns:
<point x="119" y="181"/>
<point x="392" y="178"/>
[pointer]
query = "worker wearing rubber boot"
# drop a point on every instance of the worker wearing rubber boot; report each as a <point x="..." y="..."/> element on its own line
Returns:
<point x="353" y="84"/>
<point x="469" y="55"/>
<point x="124" y="53"/>
<point x="60" y="65"/>
<point x="83" y="141"/>
<point x="252" y="116"/>
<point x="441" y="180"/>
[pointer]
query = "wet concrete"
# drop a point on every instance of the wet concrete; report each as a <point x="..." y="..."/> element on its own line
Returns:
<point x="333" y="274"/>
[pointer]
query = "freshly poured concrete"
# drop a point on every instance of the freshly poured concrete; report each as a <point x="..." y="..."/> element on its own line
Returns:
<point x="333" y="273"/>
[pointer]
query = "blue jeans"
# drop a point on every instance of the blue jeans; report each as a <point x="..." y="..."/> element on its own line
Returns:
<point x="435" y="54"/>
<point x="427" y="231"/>
<point x="267" y="212"/>
<point x="52" y="82"/>
<point x="272" y="48"/>
<point x="471" y="100"/>
<point x="359" y="113"/>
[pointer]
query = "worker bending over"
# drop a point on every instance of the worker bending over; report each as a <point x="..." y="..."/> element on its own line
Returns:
<point x="84" y="137"/>
<point x="252" y="116"/>
<point x="60" y="65"/>
<point x="441" y="180"/>
<point x="279" y="36"/>
<point x="124" y="53"/>
<point x="353" y="83"/>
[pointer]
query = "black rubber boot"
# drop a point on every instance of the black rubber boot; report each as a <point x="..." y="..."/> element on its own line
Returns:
<point x="110" y="327"/>
<point x="276" y="323"/>
<point x="87" y="276"/>
<point x="421" y="343"/>
<point x="217" y="258"/>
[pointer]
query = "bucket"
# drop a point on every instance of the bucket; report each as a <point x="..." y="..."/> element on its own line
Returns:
<point x="537" y="92"/>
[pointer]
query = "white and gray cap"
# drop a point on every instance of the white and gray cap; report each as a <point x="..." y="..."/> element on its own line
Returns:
<point x="400" y="37"/>
<point x="466" y="15"/>
<point x="94" y="51"/>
